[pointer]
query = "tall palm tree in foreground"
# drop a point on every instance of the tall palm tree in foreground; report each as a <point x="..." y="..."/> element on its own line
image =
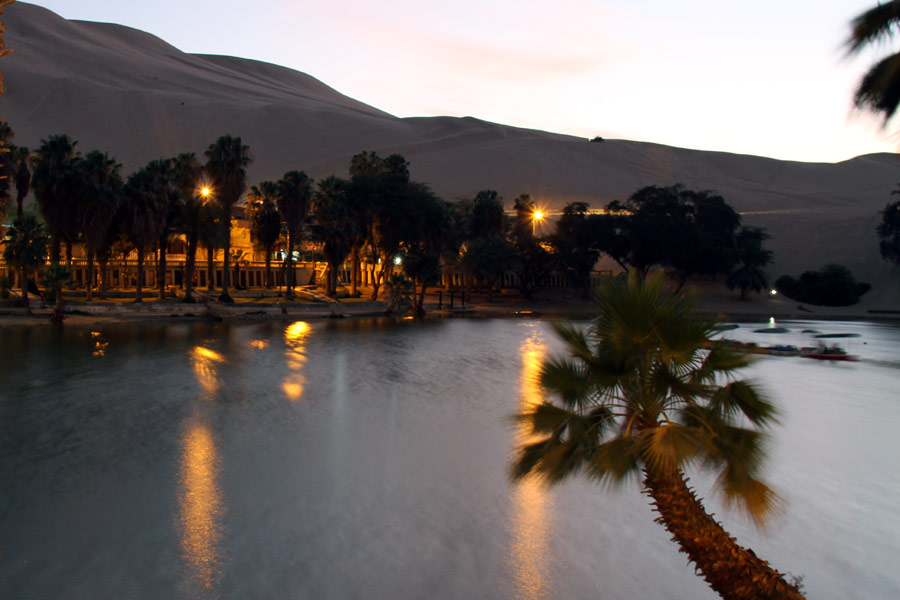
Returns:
<point x="879" y="88"/>
<point x="227" y="161"/>
<point x="644" y="391"/>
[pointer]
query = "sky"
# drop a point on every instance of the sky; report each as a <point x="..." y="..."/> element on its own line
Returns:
<point x="767" y="77"/>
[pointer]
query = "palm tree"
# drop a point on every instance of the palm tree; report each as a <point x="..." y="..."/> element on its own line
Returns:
<point x="53" y="181"/>
<point x="227" y="160"/>
<point x="644" y="391"/>
<point x="55" y="278"/>
<point x="22" y="177"/>
<point x="752" y="257"/>
<point x="167" y="196"/>
<point x="212" y="235"/>
<point x="25" y="249"/>
<point x="187" y="174"/>
<point x="101" y="196"/>
<point x="294" y="194"/>
<point x="879" y="88"/>
<point x="143" y="218"/>
<point x="331" y="226"/>
<point x="265" y="221"/>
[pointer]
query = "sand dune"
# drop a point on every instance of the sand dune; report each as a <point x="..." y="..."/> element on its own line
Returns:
<point x="127" y="92"/>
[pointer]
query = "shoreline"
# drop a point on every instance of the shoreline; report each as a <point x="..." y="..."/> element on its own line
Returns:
<point x="550" y="304"/>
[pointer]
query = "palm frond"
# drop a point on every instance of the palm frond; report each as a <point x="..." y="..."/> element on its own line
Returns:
<point x="614" y="461"/>
<point x="669" y="447"/>
<point x="745" y="398"/>
<point x="719" y="360"/>
<point x="879" y="88"/>
<point x="874" y="24"/>
<point x="748" y="494"/>
<point x="566" y="379"/>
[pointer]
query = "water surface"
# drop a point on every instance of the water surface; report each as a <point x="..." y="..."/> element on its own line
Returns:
<point x="367" y="459"/>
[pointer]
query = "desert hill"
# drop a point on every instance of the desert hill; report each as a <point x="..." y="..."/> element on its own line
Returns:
<point x="124" y="91"/>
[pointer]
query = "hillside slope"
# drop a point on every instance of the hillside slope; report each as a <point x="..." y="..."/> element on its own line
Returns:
<point x="127" y="92"/>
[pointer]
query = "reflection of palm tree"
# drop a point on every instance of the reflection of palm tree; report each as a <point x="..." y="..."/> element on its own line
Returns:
<point x="25" y="248"/>
<point x="642" y="391"/>
<point x="879" y="88"/>
<point x="227" y="160"/>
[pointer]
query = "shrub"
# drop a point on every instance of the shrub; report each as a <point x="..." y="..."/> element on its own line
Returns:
<point x="832" y="285"/>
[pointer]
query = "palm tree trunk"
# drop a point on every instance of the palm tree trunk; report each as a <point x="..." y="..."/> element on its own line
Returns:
<point x="354" y="275"/>
<point x="24" y="282"/>
<point x="290" y="266"/>
<point x="420" y="303"/>
<point x="161" y="269"/>
<point x="734" y="572"/>
<point x="140" y="275"/>
<point x="104" y="277"/>
<point x="190" y="268"/>
<point x="210" y="267"/>
<point x="55" y="249"/>
<point x="89" y="280"/>
<point x="226" y="265"/>
<point x="269" y="268"/>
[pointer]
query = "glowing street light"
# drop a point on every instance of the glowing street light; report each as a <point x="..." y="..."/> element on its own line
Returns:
<point x="205" y="192"/>
<point x="536" y="217"/>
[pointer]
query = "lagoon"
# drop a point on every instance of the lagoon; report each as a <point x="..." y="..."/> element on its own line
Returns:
<point x="367" y="459"/>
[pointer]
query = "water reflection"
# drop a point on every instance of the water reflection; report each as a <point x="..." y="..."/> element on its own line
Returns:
<point x="100" y="344"/>
<point x="295" y="355"/>
<point x="205" y="361"/>
<point x="532" y="507"/>
<point x="200" y="506"/>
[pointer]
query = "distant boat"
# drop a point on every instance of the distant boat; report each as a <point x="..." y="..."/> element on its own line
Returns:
<point x="833" y="352"/>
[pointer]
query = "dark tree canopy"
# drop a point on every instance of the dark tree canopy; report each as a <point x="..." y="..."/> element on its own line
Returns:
<point x="689" y="232"/>
<point x="889" y="232"/>
<point x="832" y="285"/>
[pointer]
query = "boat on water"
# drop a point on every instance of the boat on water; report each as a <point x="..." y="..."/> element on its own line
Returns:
<point x="824" y="352"/>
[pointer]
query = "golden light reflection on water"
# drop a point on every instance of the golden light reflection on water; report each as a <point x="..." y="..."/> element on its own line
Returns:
<point x="200" y="506"/>
<point x="259" y="344"/>
<point x="295" y="356"/>
<point x="529" y="553"/>
<point x="100" y="344"/>
<point x="205" y="361"/>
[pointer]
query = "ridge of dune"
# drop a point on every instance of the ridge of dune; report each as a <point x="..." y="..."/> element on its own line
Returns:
<point x="125" y="91"/>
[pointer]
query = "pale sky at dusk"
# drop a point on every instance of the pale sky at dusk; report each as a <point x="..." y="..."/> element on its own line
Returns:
<point x="765" y="77"/>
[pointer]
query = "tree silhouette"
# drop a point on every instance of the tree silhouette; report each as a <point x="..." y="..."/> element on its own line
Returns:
<point x="889" y="232"/>
<point x="227" y="161"/>
<point x="265" y="221"/>
<point x="294" y="196"/>
<point x="25" y="248"/>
